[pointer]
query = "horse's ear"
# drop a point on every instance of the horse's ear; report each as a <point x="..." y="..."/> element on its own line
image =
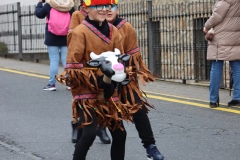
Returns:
<point x="94" y="56"/>
<point x="96" y="63"/>
<point x="125" y="57"/>
<point x="117" y="51"/>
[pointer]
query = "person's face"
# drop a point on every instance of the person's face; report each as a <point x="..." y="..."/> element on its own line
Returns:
<point x="112" y="14"/>
<point x="98" y="13"/>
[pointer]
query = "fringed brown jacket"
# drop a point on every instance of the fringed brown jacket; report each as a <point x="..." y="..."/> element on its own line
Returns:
<point x="136" y="67"/>
<point x="84" y="39"/>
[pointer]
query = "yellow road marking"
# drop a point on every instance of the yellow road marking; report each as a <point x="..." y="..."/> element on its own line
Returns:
<point x="24" y="73"/>
<point x="180" y="97"/>
<point x="193" y="104"/>
<point x="148" y="95"/>
<point x="175" y="96"/>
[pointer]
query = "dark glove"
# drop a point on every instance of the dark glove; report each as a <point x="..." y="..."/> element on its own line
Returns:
<point x="107" y="88"/>
<point x="108" y="91"/>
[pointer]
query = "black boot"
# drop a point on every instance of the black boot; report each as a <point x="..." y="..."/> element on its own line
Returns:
<point x="234" y="103"/>
<point x="74" y="132"/>
<point x="102" y="134"/>
<point x="214" y="105"/>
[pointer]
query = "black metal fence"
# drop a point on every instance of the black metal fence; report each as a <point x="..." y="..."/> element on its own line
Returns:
<point x="170" y="36"/>
<point x="9" y="23"/>
<point x="21" y="31"/>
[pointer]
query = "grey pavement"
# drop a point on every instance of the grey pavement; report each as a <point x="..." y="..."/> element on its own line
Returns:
<point x="196" y="91"/>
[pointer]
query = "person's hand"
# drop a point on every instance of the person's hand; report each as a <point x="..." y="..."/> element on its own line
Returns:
<point x="104" y="83"/>
<point x="205" y="30"/>
<point x="209" y="36"/>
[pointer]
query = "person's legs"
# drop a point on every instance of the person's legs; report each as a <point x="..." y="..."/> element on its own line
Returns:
<point x="53" y="52"/>
<point x="100" y="131"/>
<point x="215" y="78"/>
<point x="142" y="123"/>
<point x="144" y="128"/>
<point x="118" y="143"/>
<point x="63" y="51"/>
<point x="145" y="132"/>
<point x="235" y="67"/>
<point x="87" y="137"/>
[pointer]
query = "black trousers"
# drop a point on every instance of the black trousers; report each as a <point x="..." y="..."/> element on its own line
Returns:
<point x="89" y="135"/>
<point x="142" y="124"/>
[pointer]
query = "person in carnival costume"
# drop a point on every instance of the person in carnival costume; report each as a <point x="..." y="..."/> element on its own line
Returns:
<point x="136" y="67"/>
<point x="95" y="100"/>
<point x="76" y="19"/>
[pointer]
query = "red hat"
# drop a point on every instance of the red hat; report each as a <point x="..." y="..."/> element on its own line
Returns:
<point x="99" y="2"/>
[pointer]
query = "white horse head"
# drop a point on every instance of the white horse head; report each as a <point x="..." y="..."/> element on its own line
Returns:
<point x="110" y="63"/>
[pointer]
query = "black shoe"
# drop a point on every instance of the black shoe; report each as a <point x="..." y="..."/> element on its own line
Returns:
<point x="74" y="132"/>
<point x="103" y="136"/>
<point x="234" y="103"/>
<point x="213" y="105"/>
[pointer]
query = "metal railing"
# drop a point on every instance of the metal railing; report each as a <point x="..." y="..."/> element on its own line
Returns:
<point x="21" y="31"/>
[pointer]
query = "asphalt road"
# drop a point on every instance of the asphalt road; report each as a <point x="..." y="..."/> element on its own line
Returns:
<point x="35" y="125"/>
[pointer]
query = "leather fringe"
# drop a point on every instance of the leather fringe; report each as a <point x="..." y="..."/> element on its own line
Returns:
<point x="106" y="112"/>
<point x="138" y="68"/>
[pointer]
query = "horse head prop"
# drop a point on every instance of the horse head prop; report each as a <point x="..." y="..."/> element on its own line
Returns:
<point x="110" y="63"/>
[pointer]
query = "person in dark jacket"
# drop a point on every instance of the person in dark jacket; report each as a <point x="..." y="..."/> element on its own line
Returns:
<point x="55" y="44"/>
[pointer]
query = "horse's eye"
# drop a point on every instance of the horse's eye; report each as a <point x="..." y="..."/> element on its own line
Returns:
<point x="107" y="62"/>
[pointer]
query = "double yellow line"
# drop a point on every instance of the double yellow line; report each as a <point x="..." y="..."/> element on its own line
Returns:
<point x="154" y="95"/>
